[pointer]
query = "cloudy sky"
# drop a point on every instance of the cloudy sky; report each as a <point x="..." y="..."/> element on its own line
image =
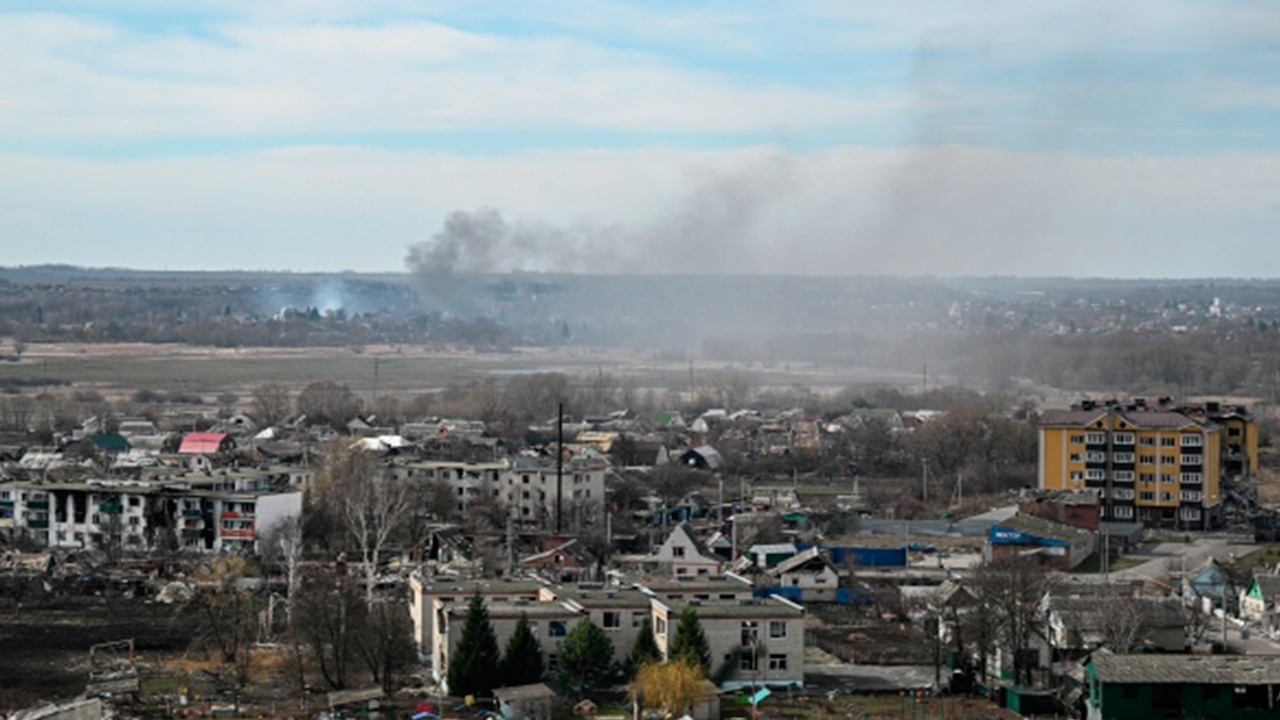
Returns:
<point x="1094" y="138"/>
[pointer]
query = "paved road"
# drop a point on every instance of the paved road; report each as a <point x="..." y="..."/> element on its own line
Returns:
<point x="1165" y="558"/>
<point x="1242" y="640"/>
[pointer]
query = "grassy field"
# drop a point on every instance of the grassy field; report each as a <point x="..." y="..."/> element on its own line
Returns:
<point x="1265" y="557"/>
<point x="402" y="369"/>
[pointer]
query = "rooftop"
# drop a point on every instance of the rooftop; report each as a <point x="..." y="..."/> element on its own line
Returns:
<point x="1198" y="669"/>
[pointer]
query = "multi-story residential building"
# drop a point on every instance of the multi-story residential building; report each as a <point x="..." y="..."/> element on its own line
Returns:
<point x="1149" y="464"/>
<point x="527" y="487"/>
<point x="772" y="629"/>
<point x="428" y="597"/>
<point x="620" y="612"/>
<point x="550" y="622"/>
<point x="759" y="642"/>
<point x="140" y="515"/>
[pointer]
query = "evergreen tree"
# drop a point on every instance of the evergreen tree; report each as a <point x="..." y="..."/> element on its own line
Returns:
<point x="690" y="642"/>
<point x="585" y="658"/>
<point x="522" y="663"/>
<point x="643" y="651"/>
<point x="475" y="660"/>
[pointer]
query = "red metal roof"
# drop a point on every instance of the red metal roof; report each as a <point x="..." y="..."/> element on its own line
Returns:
<point x="202" y="443"/>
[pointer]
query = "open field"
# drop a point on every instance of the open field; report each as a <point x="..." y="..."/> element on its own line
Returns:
<point x="402" y="369"/>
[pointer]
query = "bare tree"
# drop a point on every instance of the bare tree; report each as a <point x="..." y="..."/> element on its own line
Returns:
<point x="385" y="642"/>
<point x="1125" y="623"/>
<point x="1011" y="589"/>
<point x="283" y="546"/>
<point x="271" y="402"/>
<point x="372" y="505"/>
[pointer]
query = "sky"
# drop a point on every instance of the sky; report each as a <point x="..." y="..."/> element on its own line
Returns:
<point x="924" y="137"/>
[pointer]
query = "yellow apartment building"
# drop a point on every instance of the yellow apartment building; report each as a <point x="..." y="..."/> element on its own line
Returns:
<point x="1158" y="465"/>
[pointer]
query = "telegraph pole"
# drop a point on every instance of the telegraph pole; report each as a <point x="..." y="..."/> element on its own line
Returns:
<point x="559" y="462"/>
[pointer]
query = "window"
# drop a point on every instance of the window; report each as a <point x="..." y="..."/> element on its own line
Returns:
<point x="1166" y="497"/>
<point x="748" y="663"/>
<point x="1075" y="457"/>
<point x="1191" y="460"/>
<point x="1189" y="440"/>
<point x="1122" y="438"/>
<point x="1123" y="511"/>
<point x="612" y="620"/>
<point x="1191" y="478"/>
<point x="1166" y="478"/>
<point x="660" y="625"/>
<point x="1147" y="495"/>
<point x="1095" y="438"/>
<point x="1077" y="439"/>
<point x="1124" y="476"/>
<point x="750" y="633"/>
<point x="677" y="551"/>
<point x="134" y="501"/>
<point x="1147" y="441"/>
<point x="1122" y="493"/>
<point x="1124" y="457"/>
<point x="1192" y="495"/>
<point x="555" y="628"/>
<point x="1095" y="456"/>
<point x="777" y="629"/>
<point x="1189" y="513"/>
<point x="777" y="662"/>
<point x="1146" y="477"/>
<point x="1077" y="475"/>
<point x="637" y="619"/>
<point x="1094" y="475"/>
<point x="1168" y="442"/>
<point x="1147" y="459"/>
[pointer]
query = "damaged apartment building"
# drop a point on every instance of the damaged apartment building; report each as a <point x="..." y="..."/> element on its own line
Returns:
<point x="218" y="512"/>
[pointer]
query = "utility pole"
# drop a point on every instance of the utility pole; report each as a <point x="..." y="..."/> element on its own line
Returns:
<point x="924" y="479"/>
<point x="559" y="462"/>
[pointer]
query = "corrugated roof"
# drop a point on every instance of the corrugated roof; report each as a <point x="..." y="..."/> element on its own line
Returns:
<point x="201" y="443"/>
<point x="1198" y="669"/>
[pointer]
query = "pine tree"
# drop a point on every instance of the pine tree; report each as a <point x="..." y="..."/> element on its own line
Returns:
<point x="522" y="663"/>
<point x="690" y="642"/>
<point x="475" y="659"/>
<point x="643" y="651"/>
<point x="585" y="658"/>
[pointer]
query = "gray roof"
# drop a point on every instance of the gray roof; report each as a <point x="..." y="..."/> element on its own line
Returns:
<point x="1198" y="669"/>
<point x="1140" y="419"/>
<point x="1045" y="528"/>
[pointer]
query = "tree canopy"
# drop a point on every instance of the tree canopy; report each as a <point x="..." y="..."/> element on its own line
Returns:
<point x="585" y="658"/>
<point x="690" y="642"/>
<point x="522" y="662"/>
<point x="643" y="651"/>
<point x="472" y="668"/>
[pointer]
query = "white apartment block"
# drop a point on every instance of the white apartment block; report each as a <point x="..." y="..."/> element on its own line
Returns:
<point x="526" y="487"/>
<point x="142" y="515"/>
<point x="761" y="640"/>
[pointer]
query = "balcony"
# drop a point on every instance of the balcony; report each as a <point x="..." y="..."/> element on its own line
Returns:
<point x="238" y="533"/>
<point x="38" y="505"/>
<point x="38" y="524"/>
<point x="192" y="512"/>
<point x="111" y="509"/>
